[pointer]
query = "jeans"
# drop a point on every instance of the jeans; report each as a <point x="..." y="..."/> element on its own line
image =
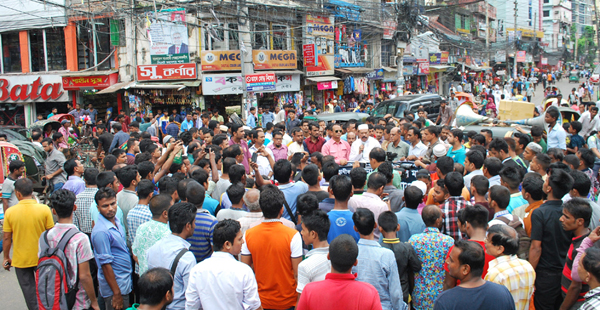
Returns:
<point x="58" y="186"/>
<point x="108" y="302"/>
<point x="596" y="168"/>
<point x="26" y="278"/>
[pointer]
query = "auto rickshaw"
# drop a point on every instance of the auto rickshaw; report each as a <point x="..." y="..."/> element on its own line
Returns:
<point x="8" y="153"/>
<point x="48" y="127"/>
<point x="573" y="77"/>
<point x="60" y="117"/>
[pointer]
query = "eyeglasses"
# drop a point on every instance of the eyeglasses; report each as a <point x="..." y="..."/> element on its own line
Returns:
<point x="337" y="131"/>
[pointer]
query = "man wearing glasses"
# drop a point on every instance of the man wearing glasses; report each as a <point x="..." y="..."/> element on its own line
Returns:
<point x="337" y="147"/>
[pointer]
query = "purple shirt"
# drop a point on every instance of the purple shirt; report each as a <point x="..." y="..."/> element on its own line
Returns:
<point x="244" y="145"/>
<point x="75" y="184"/>
<point x="339" y="150"/>
<point x="278" y="153"/>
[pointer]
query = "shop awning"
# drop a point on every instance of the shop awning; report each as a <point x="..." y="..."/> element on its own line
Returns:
<point x="355" y="70"/>
<point x="389" y="69"/>
<point x="282" y="72"/>
<point x="323" y="79"/>
<point x="114" y="88"/>
<point x="440" y="67"/>
<point x="179" y="85"/>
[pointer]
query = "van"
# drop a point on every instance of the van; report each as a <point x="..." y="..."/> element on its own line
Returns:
<point x="399" y="106"/>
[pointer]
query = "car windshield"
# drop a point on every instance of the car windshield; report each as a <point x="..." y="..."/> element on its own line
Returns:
<point x="597" y="70"/>
<point x="401" y="108"/>
<point x="380" y="110"/>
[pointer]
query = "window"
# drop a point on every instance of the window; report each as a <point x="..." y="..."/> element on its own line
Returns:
<point x="93" y="44"/>
<point x="581" y="19"/>
<point x="214" y="38"/>
<point x="261" y="37"/>
<point x="387" y="51"/>
<point x="546" y="1"/>
<point x="546" y="13"/>
<point x="280" y="37"/>
<point x="234" y="39"/>
<point x="11" y="52"/>
<point x="55" y="49"/>
<point x="36" y="46"/>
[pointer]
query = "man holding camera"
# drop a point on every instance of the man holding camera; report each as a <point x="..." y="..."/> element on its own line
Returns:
<point x="396" y="145"/>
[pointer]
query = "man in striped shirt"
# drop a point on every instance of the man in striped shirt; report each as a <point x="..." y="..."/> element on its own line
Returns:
<point x="202" y="239"/>
<point x="516" y="274"/>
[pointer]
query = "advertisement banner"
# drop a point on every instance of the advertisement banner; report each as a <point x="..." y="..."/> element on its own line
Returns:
<point x="500" y="56"/>
<point x="231" y="83"/>
<point x="389" y="29"/>
<point x="168" y="37"/>
<point x="423" y="68"/>
<point x="221" y="60"/>
<point x="319" y="30"/>
<point x="375" y="75"/>
<point x="309" y="55"/>
<point x="268" y="60"/>
<point x="407" y="70"/>
<point x="435" y="58"/>
<point x="167" y="72"/>
<point x="327" y="85"/>
<point x="94" y="81"/>
<point x="544" y="61"/>
<point x="422" y="53"/>
<point x="28" y="88"/>
<point x="444" y="58"/>
<point x="521" y="56"/>
<point x="260" y="81"/>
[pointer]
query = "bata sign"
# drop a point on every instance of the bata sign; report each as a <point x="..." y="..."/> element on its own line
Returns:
<point x="27" y="88"/>
<point x="166" y="72"/>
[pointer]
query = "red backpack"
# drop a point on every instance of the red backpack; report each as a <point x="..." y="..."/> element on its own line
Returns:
<point x="51" y="276"/>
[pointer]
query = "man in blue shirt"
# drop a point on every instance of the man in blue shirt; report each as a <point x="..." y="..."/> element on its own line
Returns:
<point x="202" y="238"/>
<point x="268" y="117"/>
<point x="376" y="264"/>
<point x="251" y="121"/>
<point x="411" y="222"/>
<point x="120" y="138"/>
<point x="172" y="128"/>
<point x="187" y="124"/>
<point x="111" y="253"/>
<point x="340" y="186"/>
<point x="282" y="173"/>
<point x="457" y="150"/>
<point x="557" y="137"/>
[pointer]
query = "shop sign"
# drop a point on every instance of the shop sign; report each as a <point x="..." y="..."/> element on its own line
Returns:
<point x="521" y="56"/>
<point x="166" y="72"/>
<point x="422" y="53"/>
<point x="27" y="88"/>
<point x="309" y="55"/>
<point x="260" y="81"/>
<point x="389" y="29"/>
<point x="168" y="37"/>
<point x="408" y="70"/>
<point x="375" y="75"/>
<point x="423" y="68"/>
<point x="89" y="82"/>
<point x="221" y="60"/>
<point x="544" y="61"/>
<point x="435" y="58"/>
<point x="500" y="56"/>
<point x="445" y="56"/>
<point x="319" y="30"/>
<point x="267" y="60"/>
<point x="327" y="85"/>
<point x="231" y="83"/>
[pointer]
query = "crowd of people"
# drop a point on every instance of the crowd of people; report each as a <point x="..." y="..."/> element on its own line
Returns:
<point x="190" y="212"/>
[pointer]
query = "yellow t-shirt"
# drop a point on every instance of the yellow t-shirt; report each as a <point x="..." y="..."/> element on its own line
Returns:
<point x="27" y="220"/>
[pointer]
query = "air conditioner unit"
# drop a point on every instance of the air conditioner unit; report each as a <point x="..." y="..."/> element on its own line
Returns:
<point x="393" y="61"/>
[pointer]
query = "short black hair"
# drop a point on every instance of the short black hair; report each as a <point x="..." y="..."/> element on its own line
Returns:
<point x="343" y="252"/>
<point x="181" y="214"/>
<point x="105" y="178"/>
<point x="590" y="262"/>
<point x="109" y="162"/>
<point x="144" y="189"/>
<point x="182" y="187"/>
<point x="104" y="193"/>
<point x="330" y="169"/>
<point x="358" y="176"/>
<point x="377" y="154"/>
<point x="479" y="138"/>
<point x="573" y="160"/>
<point x="387" y="221"/>
<point x="18" y="164"/>
<point x="282" y="170"/>
<point x="493" y="165"/>
<point x="341" y="186"/>
<point x="481" y="184"/>
<point x="127" y="174"/>
<point x="387" y="170"/>
<point x="454" y="182"/>
<point x="481" y="149"/>
<point x="561" y="183"/>
<point x="581" y="182"/>
<point x="144" y="168"/>
<point x="445" y="164"/>
<point x="588" y="157"/>
<point x="90" y="175"/>
<point x="557" y="153"/>
<point x="413" y="196"/>
<point x="167" y="185"/>
<point x="536" y="130"/>
<point x="63" y="201"/>
<point x="458" y="134"/>
<point x="310" y="174"/>
<point x="69" y="166"/>
<point x="471" y="254"/>
<point x="501" y="195"/>
<point x="236" y="173"/>
<point x="195" y="194"/>
<point x="142" y="157"/>
<point x="317" y="221"/>
<point x="200" y="175"/>
<point x="306" y="204"/>
<point x="534" y="186"/>
<point x="271" y="200"/>
<point x="364" y="221"/>
<point x="159" y="204"/>
<point x="505" y="236"/>
<point x="153" y="285"/>
<point x="55" y="136"/>
<point x="376" y="180"/>
<point x="498" y="144"/>
<point x="580" y="209"/>
<point x="235" y="192"/>
<point x="476" y="215"/>
<point x="225" y="230"/>
<point x="543" y="160"/>
<point x="511" y="176"/>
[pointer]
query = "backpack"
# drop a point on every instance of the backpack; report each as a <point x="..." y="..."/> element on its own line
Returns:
<point x="524" y="239"/>
<point x="51" y="276"/>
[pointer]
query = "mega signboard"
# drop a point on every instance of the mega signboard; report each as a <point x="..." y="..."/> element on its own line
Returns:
<point x="231" y="83"/>
<point x="221" y="60"/>
<point x="268" y="59"/>
<point x="319" y="30"/>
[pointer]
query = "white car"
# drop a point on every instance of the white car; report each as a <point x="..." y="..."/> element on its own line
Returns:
<point x="595" y="77"/>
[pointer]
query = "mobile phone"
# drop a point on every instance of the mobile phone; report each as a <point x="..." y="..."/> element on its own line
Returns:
<point x="6" y="264"/>
<point x="254" y="157"/>
<point x="206" y="150"/>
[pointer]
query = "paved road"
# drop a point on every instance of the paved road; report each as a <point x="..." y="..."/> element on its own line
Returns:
<point x="11" y="296"/>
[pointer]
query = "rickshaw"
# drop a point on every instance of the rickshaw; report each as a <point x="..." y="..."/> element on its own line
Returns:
<point x="47" y="127"/>
<point x="573" y="77"/>
<point x="60" y="117"/>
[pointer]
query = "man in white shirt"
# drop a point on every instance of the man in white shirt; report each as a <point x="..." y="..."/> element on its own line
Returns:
<point x="362" y="147"/>
<point x="416" y="148"/>
<point x="221" y="282"/>
<point x="589" y="121"/>
<point x="265" y="159"/>
<point x="296" y="146"/>
<point x="279" y="115"/>
<point x="315" y="228"/>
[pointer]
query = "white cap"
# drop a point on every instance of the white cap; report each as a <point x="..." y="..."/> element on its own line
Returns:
<point x="363" y="127"/>
<point x="223" y="128"/>
<point x="421" y="185"/>
<point x="439" y="150"/>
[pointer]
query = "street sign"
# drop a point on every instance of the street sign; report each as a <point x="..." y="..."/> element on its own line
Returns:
<point x="260" y="81"/>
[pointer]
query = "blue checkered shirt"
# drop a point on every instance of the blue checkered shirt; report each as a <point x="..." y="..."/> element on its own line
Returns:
<point x="139" y="215"/>
<point x="82" y="218"/>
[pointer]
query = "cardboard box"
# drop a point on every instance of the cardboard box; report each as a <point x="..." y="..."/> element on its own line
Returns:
<point x="515" y="110"/>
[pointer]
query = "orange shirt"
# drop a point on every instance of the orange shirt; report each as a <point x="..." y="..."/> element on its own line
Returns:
<point x="272" y="247"/>
<point x="528" y="212"/>
<point x="465" y="193"/>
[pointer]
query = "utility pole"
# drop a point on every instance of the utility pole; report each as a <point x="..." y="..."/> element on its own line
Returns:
<point x="487" y="32"/>
<point x="400" y="46"/>
<point x="245" y="52"/>
<point x="515" y="38"/>
<point x="535" y="37"/>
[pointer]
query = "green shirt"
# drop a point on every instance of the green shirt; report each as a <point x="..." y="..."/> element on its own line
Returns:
<point x="396" y="181"/>
<point x="145" y="237"/>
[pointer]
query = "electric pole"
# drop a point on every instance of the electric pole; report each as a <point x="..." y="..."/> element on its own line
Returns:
<point x="245" y="53"/>
<point x="515" y="38"/>
<point x="487" y="32"/>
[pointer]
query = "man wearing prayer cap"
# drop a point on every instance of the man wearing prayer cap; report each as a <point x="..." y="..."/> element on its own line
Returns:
<point x="361" y="148"/>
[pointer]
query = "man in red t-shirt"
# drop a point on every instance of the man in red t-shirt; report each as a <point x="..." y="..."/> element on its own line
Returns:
<point x="473" y="221"/>
<point x="349" y="293"/>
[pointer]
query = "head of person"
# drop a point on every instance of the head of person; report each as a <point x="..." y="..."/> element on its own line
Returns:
<point x="106" y="201"/>
<point x="498" y="148"/>
<point x="499" y="197"/>
<point x="182" y="219"/>
<point x="129" y="176"/>
<point x="343" y="253"/>
<point x="413" y="196"/>
<point x="475" y="218"/>
<point x="17" y="167"/>
<point x="341" y="187"/>
<point x="311" y="174"/>
<point x="551" y="115"/>
<point x="432" y="216"/>
<point x="558" y="183"/>
<point x="376" y="183"/>
<point x="315" y="226"/>
<point x="510" y="177"/>
<point x="156" y="287"/>
<point x="62" y="203"/>
<point x="492" y="166"/>
<point x="271" y="201"/>
<point x="228" y="237"/>
<point x="330" y="168"/>
<point x="107" y="179"/>
<point x="454" y="183"/>
<point x="364" y="221"/>
<point x="473" y="161"/>
<point x="531" y="150"/>
<point x="501" y="240"/>
<point x="377" y="156"/>
<point x="466" y="260"/>
<point x="363" y="132"/>
<point x="576" y="214"/>
<point x="282" y="171"/>
<point x="444" y="165"/>
<point x="430" y="133"/>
